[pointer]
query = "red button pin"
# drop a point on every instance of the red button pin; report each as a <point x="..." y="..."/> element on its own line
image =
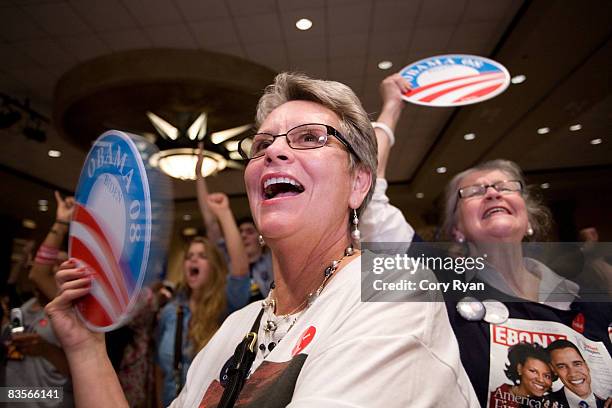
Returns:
<point x="304" y="340"/>
<point x="578" y="323"/>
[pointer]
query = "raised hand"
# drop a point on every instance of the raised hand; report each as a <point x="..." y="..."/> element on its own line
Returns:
<point x="218" y="203"/>
<point x="392" y="88"/>
<point x="94" y="380"/>
<point x="65" y="208"/>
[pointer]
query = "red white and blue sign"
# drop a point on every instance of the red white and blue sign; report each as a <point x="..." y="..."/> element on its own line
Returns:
<point x="118" y="229"/>
<point x="454" y="80"/>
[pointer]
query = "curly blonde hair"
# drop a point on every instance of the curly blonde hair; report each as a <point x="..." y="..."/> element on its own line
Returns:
<point x="211" y="303"/>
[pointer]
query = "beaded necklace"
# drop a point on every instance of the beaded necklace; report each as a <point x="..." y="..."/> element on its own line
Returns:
<point x="274" y="326"/>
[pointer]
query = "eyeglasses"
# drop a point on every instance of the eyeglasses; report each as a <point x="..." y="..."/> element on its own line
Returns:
<point x="302" y="137"/>
<point x="503" y="187"/>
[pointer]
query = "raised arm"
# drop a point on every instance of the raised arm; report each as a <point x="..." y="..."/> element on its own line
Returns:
<point x="94" y="380"/>
<point x="218" y="203"/>
<point x="22" y="264"/>
<point x="46" y="257"/>
<point x="381" y="221"/>
<point x="391" y="90"/>
<point x="210" y="221"/>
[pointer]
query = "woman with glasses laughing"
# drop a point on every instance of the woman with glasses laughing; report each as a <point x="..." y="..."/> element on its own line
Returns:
<point x="312" y="342"/>
<point x="491" y="213"/>
<point x="489" y="210"/>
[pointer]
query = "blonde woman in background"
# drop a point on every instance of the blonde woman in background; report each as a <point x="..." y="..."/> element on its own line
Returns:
<point x="202" y="297"/>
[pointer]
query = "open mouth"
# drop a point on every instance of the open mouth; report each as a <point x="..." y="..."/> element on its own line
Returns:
<point x="193" y="272"/>
<point x="275" y="187"/>
<point x="495" y="210"/>
<point x="577" y="382"/>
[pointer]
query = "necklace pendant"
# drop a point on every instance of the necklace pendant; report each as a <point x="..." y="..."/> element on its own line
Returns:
<point x="268" y="304"/>
<point x="270" y="326"/>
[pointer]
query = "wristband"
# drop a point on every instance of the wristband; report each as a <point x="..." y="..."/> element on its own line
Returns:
<point x="66" y="223"/>
<point x="386" y="129"/>
<point x="46" y="255"/>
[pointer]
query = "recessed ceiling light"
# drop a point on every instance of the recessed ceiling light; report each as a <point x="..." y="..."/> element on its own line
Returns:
<point x="189" y="231"/>
<point x="187" y="217"/>
<point x="43" y="202"/>
<point x="441" y="170"/>
<point x="28" y="223"/>
<point x="518" y="79"/>
<point x="596" y="141"/>
<point x="543" y="130"/>
<point x="575" y="127"/>
<point x="420" y="195"/>
<point x="303" y="24"/>
<point x="54" y="153"/>
<point x="469" y="136"/>
<point x="385" y="64"/>
<point x="544" y="186"/>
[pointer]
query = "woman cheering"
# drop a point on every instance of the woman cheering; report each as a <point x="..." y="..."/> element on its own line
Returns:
<point x="312" y="341"/>
<point x="199" y="308"/>
<point x="490" y="211"/>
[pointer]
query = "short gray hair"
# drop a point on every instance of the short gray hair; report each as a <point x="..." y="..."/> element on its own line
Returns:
<point x="538" y="214"/>
<point x="355" y="124"/>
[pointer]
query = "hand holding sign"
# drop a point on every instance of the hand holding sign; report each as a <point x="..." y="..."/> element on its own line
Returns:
<point x="119" y="226"/>
<point x="392" y="88"/>
<point x="73" y="283"/>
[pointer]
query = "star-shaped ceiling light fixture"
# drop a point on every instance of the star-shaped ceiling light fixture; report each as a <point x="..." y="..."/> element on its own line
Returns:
<point x="180" y="162"/>
<point x="175" y="98"/>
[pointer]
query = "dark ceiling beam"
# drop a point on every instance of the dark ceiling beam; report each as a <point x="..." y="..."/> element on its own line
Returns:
<point x="34" y="179"/>
<point x="545" y="97"/>
<point x="24" y="107"/>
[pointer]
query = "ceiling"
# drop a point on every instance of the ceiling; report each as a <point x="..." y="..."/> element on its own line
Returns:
<point x="563" y="48"/>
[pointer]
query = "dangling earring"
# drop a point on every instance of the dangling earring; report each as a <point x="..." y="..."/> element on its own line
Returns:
<point x="261" y="240"/>
<point x="529" y="230"/>
<point x="355" y="234"/>
<point x="461" y="239"/>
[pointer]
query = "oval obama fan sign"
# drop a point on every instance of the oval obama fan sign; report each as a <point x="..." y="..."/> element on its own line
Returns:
<point x="120" y="226"/>
<point x="454" y="80"/>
